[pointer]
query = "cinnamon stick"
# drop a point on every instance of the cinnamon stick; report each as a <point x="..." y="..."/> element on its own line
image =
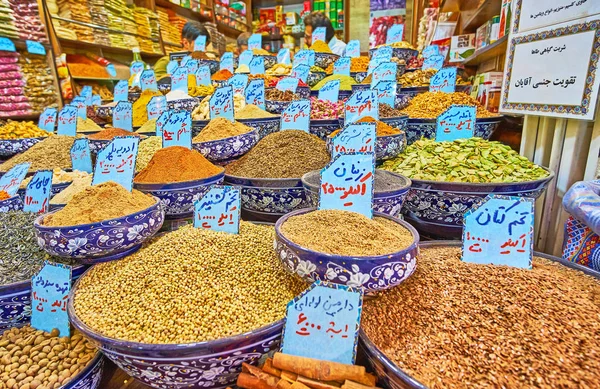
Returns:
<point x="289" y="377"/>
<point x="355" y="385"/>
<point x="284" y="384"/>
<point x="322" y="370"/>
<point x="255" y="371"/>
<point x="248" y="381"/>
<point x="299" y="385"/>
<point x="268" y="368"/>
<point x="314" y="384"/>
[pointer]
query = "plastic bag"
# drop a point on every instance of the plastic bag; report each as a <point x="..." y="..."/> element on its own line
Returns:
<point x="582" y="201"/>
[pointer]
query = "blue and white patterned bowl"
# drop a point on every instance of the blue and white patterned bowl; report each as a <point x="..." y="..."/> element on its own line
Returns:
<point x="372" y="274"/>
<point x="324" y="127"/>
<point x="400" y="53"/>
<point x="418" y="128"/>
<point x="54" y="189"/>
<point x="437" y="209"/>
<point x="276" y="107"/>
<point x="183" y="104"/>
<point x="14" y="203"/>
<point x="227" y="149"/>
<point x="359" y="76"/>
<point x="213" y="64"/>
<point x="132" y="97"/>
<point x="388" y="201"/>
<point x="10" y="147"/>
<point x="96" y="145"/>
<point x="270" y="60"/>
<point x="198" y="125"/>
<point x="178" y="198"/>
<point x="264" y="126"/>
<point x="103" y="241"/>
<point x="323" y="60"/>
<point x="314" y="78"/>
<point x="360" y="87"/>
<point x="398" y="122"/>
<point x="389" y="146"/>
<point x="89" y="377"/>
<point x="219" y="83"/>
<point x="104" y="112"/>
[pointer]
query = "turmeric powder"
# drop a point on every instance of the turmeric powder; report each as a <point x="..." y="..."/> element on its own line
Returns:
<point x="140" y="113"/>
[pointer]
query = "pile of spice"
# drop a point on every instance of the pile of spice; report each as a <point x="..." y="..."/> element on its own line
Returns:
<point x="186" y="271"/>
<point x="325" y="109"/>
<point x="280" y="69"/>
<point x="202" y="111"/>
<point x="430" y="105"/>
<point x="201" y="90"/>
<point x="111" y="132"/>
<point x="422" y="77"/>
<point x="357" y="64"/>
<point x="148" y="127"/>
<point x="97" y="203"/>
<point x="381" y="129"/>
<point x="283" y="154"/>
<point x="20" y="130"/>
<point x="21" y="257"/>
<point x="464" y="160"/>
<point x="222" y="75"/>
<point x="316" y="69"/>
<point x="486" y="326"/>
<point x="59" y="176"/>
<point x="346" y="82"/>
<point x="221" y="128"/>
<point x="384" y="181"/>
<point x="65" y="195"/>
<point x="277" y="95"/>
<point x="87" y="125"/>
<point x="321" y="47"/>
<point x="261" y="52"/>
<point x="38" y="359"/>
<point x="175" y="95"/>
<point x="387" y="111"/>
<point x="346" y="233"/>
<point x="140" y="113"/>
<point x="200" y="55"/>
<point x="52" y="152"/>
<point x="146" y="150"/>
<point x="252" y="111"/>
<point x="4" y="195"/>
<point x="242" y="69"/>
<point x="176" y="164"/>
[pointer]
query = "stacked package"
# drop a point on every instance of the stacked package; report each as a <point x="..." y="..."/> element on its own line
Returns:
<point x="27" y="18"/>
<point x="74" y="10"/>
<point x="7" y="20"/>
<point x="169" y="32"/>
<point x="39" y="84"/>
<point x="13" y="101"/>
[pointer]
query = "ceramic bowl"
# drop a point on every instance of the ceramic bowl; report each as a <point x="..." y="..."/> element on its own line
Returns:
<point x="276" y="107"/>
<point x="342" y="95"/>
<point x="359" y="76"/>
<point x="89" y="377"/>
<point x="104" y="112"/>
<point x="178" y="198"/>
<point x="324" y="127"/>
<point x="183" y="104"/>
<point x="400" y="53"/>
<point x="10" y="147"/>
<point x="96" y="145"/>
<point x="198" y="125"/>
<point x="372" y="274"/>
<point x="387" y="201"/>
<point x="437" y="209"/>
<point x="14" y="203"/>
<point x="398" y="122"/>
<point x="314" y="78"/>
<point x="418" y="128"/>
<point x="102" y="241"/>
<point x="227" y="149"/>
<point x="323" y="60"/>
<point x="390" y="146"/>
<point x="270" y="61"/>
<point x="164" y="87"/>
<point x="54" y="189"/>
<point x="264" y="126"/>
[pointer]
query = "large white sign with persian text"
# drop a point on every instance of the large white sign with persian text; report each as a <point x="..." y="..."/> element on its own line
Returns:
<point x="534" y="14"/>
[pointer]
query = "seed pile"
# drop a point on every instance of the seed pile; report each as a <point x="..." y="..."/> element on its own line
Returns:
<point x="18" y="130"/>
<point x="283" y="154"/>
<point x="433" y="104"/>
<point x="110" y="133"/>
<point x="252" y="111"/>
<point x="65" y="195"/>
<point x="485" y="326"/>
<point x="384" y="181"/>
<point x="146" y="150"/>
<point x="346" y="233"/>
<point x="346" y="82"/>
<point x="321" y="47"/>
<point x="387" y="111"/>
<point x="87" y="125"/>
<point x="59" y="176"/>
<point x="149" y="126"/>
<point x="176" y="164"/>
<point x="422" y="77"/>
<point x="464" y="160"/>
<point x="221" y="128"/>
<point x="52" y="152"/>
<point x="190" y="285"/>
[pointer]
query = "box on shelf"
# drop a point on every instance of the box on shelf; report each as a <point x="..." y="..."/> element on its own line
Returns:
<point x="461" y="47"/>
<point x="486" y="89"/>
<point x="482" y="36"/>
<point x="505" y="15"/>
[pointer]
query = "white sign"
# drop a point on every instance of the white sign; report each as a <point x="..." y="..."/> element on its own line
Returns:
<point x="536" y="14"/>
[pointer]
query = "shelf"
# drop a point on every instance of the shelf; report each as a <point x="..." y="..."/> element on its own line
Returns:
<point x="450" y="6"/>
<point x="102" y="28"/>
<point x="109" y="49"/>
<point x="473" y="19"/>
<point x="228" y="31"/>
<point x="488" y="52"/>
<point x="185" y="12"/>
<point x="93" y="78"/>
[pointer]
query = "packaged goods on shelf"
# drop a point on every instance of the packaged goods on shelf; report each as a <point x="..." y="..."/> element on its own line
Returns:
<point x="80" y="66"/>
<point x="13" y="101"/>
<point x="39" y="82"/>
<point x="461" y="47"/>
<point x="27" y="20"/>
<point x="97" y="89"/>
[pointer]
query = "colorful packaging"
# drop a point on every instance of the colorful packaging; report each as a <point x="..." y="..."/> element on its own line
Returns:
<point x="461" y="47"/>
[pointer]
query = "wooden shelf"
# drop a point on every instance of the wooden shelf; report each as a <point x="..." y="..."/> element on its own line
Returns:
<point x="93" y="78"/>
<point x="102" y="28"/>
<point x="488" y="52"/>
<point x="185" y="12"/>
<point x="228" y="31"/>
<point x="450" y="6"/>
<point x="116" y="50"/>
<point x="473" y="19"/>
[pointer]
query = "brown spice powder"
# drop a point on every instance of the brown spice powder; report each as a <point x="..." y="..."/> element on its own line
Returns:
<point x="110" y="133"/>
<point x="221" y="128"/>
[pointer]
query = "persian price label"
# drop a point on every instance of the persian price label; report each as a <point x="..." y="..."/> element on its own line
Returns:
<point x="177" y="130"/>
<point x="11" y="180"/>
<point x="304" y="57"/>
<point x="6" y="44"/>
<point x="431" y="50"/>
<point x="38" y="192"/>
<point x="156" y="106"/>
<point x="171" y="66"/>
<point x="121" y="91"/>
<point x="179" y="79"/>
<point x="360" y="104"/>
<point x="116" y="162"/>
<point x="192" y="66"/>
<point x="342" y="66"/>
<point x="136" y="68"/>
<point x="386" y="92"/>
<point x="353" y="49"/>
<point x="255" y="42"/>
<point x="319" y="34"/>
<point x="160" y="122"/>
<point x="67" y="121"/>
<point x="257" y="65"/>
<point x="386" y="71"/>
<point x="255" y="93"/>
<point x="203" y="75"/>
<point x="87" y="92"/>
<point x="434" y="62"/>
<point x="148" y="81"/>
<point x="283" y="56"/>
<point x="227" y="62"/>
<point x="123" y="116"/>
<point x="457" y="122"/>
<point x="34" y="47"/>
<point x="238" y="82"/>
<point x="96" y="100"/>
<point x="81" y="157"/>
<point x="394" y="34"/>
<point x="287" y="83"/>
<point x="381" y="55"/>
<point x="330" y="91"/>
<point x="443" y="81"/>
<point x="80" y="103"/>
<point x="50" y="289"/>
<point x="245" y="58"/>
<point x="221" y="103"/>
<point x="200" y="43"/>
<point x="219" y="209"/>
<point x="296" y="116"/>
<point x="300" y="72"/>
<point x="47" y="119"/>
<point x="354" y="138"/>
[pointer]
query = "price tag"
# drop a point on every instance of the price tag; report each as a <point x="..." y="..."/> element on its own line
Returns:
<point x="185" y="60"/>
<point x="50" y="289"/>
<point x="255" y="93"/>
<point x="238" y="82"/>
<point x="110" y="69"/>
<point x="177" y="130"/>
<point x="121" y="91"/>
<point x="301" y="72"/>
<point x="386" y="92"/>
<point x="38" y="191"/>
<point x="434" y="62"/>
<point x="431" y="50"/>
<point x="171" y="66"/>
<point x="381" y="55"/>
<point x="354" y="138"/>
<point x="96" y="100"/>
<point x="193" y="66"/>
<point x="257" y="65"/>
<point x="353" y="49"/>
<point x="499" y="231"/>
<point x="47" y="119"/>
<point x="443" y="81"/>
<point x="67" y="121"/>
<point x="81" y="157"/>
<point x="255" y="42"/>
<point x="203" y="76"/>
<point x="6" y="44"/>
<point x="116" y="162"/>
<point x="360" y="104"/>
<point x="326" y="314"/>
<point x="304" y="57"/>
<point x="200" y="43"/>
<point x="296" y="116"/>
<point x="283" y="56"/>
<point x="80" y="104"/>
<point x="330" y="91"/>
<point x="227" y="62"/>
<point x="11" y="180"/>
<point x="148" y="81"/>
<point x="123" y="116"/>
<point x="156" y="106"/>
<point x="160" y="122"/>
<point x="386" y="71"/>
<point x="245" y="58"/>
<point x="87" y="92"/>
<point x="394" y="34"/>
<point x="457" y="122"/>
<point x="221" y="103"/>
<point x="342" y="66"/>
<point x="287" y="83"/>
<point x="34" y="47"/>
<point x="136" y="68"/>
<point x="179" y="79"/>
<point x="219" y="209"/>
<point x="319" y="34"/>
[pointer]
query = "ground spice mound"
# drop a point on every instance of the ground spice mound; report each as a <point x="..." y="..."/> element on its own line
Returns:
<point x="459" y="325"/>
<point x="110" y="133"/>
<point x="283" y="154"/>
<point x="252" y="111"/>
<point x="346" y="233"/>
<point x="99" y="202"/>
<point x="176" y="164"/>
<point x="140" y="111"/>
<point x="221" y="128"/>
<point x="190" y="285"/>
<point x="321" y="47"/>
<point x="52" y="152"/>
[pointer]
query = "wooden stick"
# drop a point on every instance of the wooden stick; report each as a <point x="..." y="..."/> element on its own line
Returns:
<point x="284" y="384"/>
<point x="248" y="381"/>
<point x="255" y="371"/>
<point x="289" y="377"/>
<point x="314" y="384"/>
<point x="355" y="385"/>
<point x="268" y="368"/>
<point x="299" y="385"/>
<point x="322" y="370"/>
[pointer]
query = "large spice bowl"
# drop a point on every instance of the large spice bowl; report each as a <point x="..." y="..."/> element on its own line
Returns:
<point x="227" y="149"/>
<point x="198" y="125"/>
<point x="10" y="147"/>
<point x="323" y="60"/>
<point x="324" y="127"/>
<point x="264" y="126"/>
<point x="417" y="128"/>
<point x="399" y="53"/>
<point x="14" y="203"/>
<point x="386" y="147"/>
<point x="372" y="274"/>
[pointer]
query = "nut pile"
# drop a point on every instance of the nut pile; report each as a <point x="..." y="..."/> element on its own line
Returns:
<point x="277" y="95"/>
<point x="433" y="104"/>
<point x="422" y="78"/>
<point x="18" y="130"/>
<point x="279" y="69"/>
<point x="324" y="109"/>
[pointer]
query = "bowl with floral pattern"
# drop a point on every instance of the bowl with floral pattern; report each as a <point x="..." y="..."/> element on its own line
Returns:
<point x="102" y="241"/>
<point x="14" y="203"/>
<point x="324" y="127"/>
<point x="370" y="273"/>
<point x="183" y="104"/>
<point x="398" y="122"/>
<point x="417" y="128"/>
<point x="399" y="53"/>
<point x="270" y="60"/>
<point x="10" y="147"/>
<point x="314" y="78"/>
<point x="359" y="76"/>
<point x="276" y="106"/>
<point x="342" y="94"/>
<point x="104" y="111"/>
<point x="132" y="97"/>
<point x="54" y="189"/>
<point x="198" y="125"/>
<point x="97" y="144"/>
<point x="388" y="195"/>
<point x="386" y="147"/>
<point x="89" y="377"/>
<point x="212" y="64"/>
<point x="227" y="149"/>
<point x="264" y="126"/>
<point x="323" y="60"/>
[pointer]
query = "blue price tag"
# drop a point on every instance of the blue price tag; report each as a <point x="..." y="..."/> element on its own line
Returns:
<point x="255" y="42"/>
<point x="255" y="93"/>
<point x="342" y="66"/>
<point x="386" y="92"/>
<point x="179" y="79"/>
<point x="171" y="66"/>
<point x="434" y="62"/>
<point x="34" y="47"/>
<point x="431" y="50"/>
<point x="47" y="119"/>
<point x="148" y="81"/>
<point x="394" y="33"/>
<point x="96" y="100"/>
<point x="287" y="83"/>
<point x="156" y="106"/>
<point x="116" y="162"/>
<point x="203" y="76"/>
<point x="177" y="130"/>
<point x="283" y="56"/>
<point x="245" y="58"/>
<point x="6" y="44"/>
<point x="81" y="157"/>
<point x="38" y="192"/>
<point x="499" y="231"/>
<point x="227" y="62"/>
<point x="80" y="103"/>
<point x="319" y="34"/>
<point x="353" y="49"/>
<point x="386" y="71"/>
<point x="443" y="81"/>
<point x="121" y="91"/>
<point x="87" y="92"/>
<point x="67" y="121"/>
<point x="111" y="70"/>
<point x="123" y="116"/>
<point x="219" y="209"/>
<point x="11" y="180"/>
<point x="354" y="138"/>
<point x="360" y="104"/>
<point x="304" y="57"/>
<point x="200" y="43"/>
<point x="221" y="103"/>
<point x="330" y="91"/>
<point x="49" y="296"/>
<point x="301" y="72"/>
<point x="296" y="116"/>
<point x="347" y="183"/>
<point x="185" y="60"/>
<point x="160" y="122"/>
<point x="326" y="314"/>
<point x="238" y="82"/>
<point x="136" y="68"/>
<point x="457" y="122"/>
<point x="193" y="66"/>
<point x="257" y="65"/>
<point x="381" y="55"/>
